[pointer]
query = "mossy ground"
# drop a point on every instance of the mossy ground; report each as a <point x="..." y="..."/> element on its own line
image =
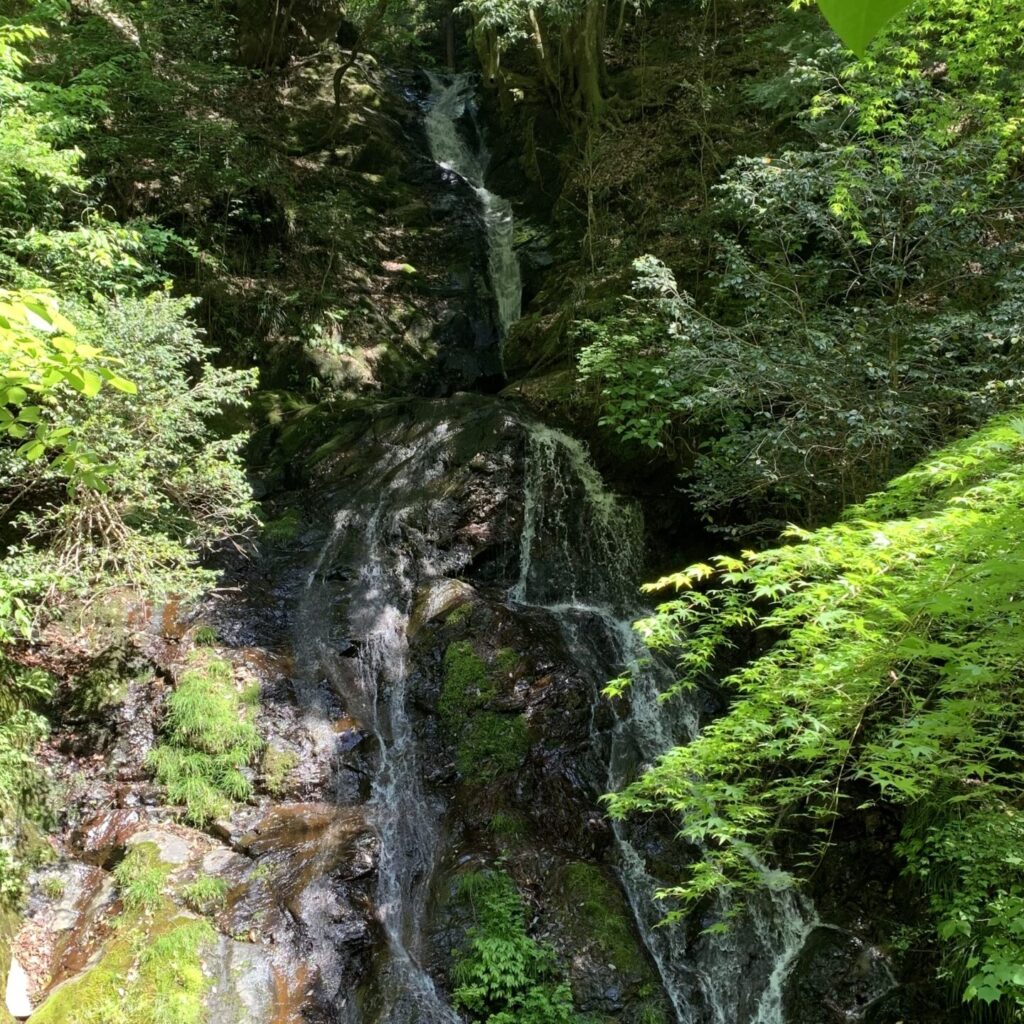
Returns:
<point x="277" y="766"/>
<point x="151" y="971"/>
<point x="599" y="903"/>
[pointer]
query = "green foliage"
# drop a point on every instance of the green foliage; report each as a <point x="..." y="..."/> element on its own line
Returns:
<point x="141" y="877"/>
<point x="503" y="975"/>
<point x="172" y="486"/>
<point x="886" y="673"/>
<point x="857" y="22"/>
<point x="863" y="302"/>
<point x="277" y="766"/>
<point x="205" y="636"/>
<point x="54" y="887"/>
<point x="24" y="787"/>
<point x="206" y="895"/>
<point x="151" y="978"/>
<point x="209" y="737"/>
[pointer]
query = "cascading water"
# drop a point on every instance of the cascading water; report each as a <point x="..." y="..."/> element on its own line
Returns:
<point x="452" y="100"/>
<point x="579" y="560"/>
<point x="368" y="549"/>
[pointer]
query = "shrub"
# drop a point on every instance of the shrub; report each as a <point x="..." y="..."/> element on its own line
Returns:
<point x="503" y="975"/>
<point x="889" y="676"/>
<point x="208" y="738"/>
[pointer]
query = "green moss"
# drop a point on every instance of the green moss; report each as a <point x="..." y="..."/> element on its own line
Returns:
<point x="488" y="744"/>
<point x="492" y="745"/>
<point x="209" y="737"/>
<point x="467" y="684"/>
<point x="206" y="895"/>
<point x="605" y="918"/>
<point x="505" y="659"/>
<point x="277" y="766"/>
<point x="460" y="616"/>
<point x="284" y="528"/>
<point x="151" y="978"/>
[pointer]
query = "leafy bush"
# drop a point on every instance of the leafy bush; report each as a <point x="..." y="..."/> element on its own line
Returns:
<point x="888" y="674"/>
<point x="170" y="486"/>
<point x="504" y="976"/>
<point x="209" y="737"/>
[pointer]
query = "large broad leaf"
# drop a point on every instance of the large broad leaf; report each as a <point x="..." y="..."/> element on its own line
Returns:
<point x="857" y="22"/>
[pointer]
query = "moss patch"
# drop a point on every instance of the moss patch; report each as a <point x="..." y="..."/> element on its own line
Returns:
<point x="604" y="916"/>
<point x="459" y="616"/>
<point x="467" y="684"/>
<point x="492" y="745"/>
<point x="489" y="744"/>
<point x="284" y="528"/>
<point x="151" y="971"/>
<point x="142" y="978"/>
<point x="505" y="659"/>
<point x="277" y="766"/>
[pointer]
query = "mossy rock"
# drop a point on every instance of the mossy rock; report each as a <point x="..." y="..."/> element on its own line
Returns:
<point x="8" y="927"/>
<point x="492" y="745"/>
<point x="467" y="685"/>
<point x="151" y="972"/>
<point x="600" y="909"/>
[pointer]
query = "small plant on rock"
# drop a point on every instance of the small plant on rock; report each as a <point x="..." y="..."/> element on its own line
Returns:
<point x="206" y="895"/>
<point x="209" y="737"/>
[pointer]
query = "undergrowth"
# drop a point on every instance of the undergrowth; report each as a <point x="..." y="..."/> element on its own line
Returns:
<point x="208" y="739"/>
<point x="504" y="975"/>
<point x="890" y="678"/>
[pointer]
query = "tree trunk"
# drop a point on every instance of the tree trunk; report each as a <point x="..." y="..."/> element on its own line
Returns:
<point x="588" y="59"/>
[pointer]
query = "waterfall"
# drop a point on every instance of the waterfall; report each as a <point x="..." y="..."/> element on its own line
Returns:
<point x="580" y="559"/>
<point x="368" y="549"/>
<point x="451" y="101"/>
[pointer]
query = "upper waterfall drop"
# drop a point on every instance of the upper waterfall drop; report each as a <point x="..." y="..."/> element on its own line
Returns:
<point x="450" y="101"/>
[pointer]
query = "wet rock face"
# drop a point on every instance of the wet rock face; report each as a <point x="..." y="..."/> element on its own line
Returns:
<point x="837" y="977"/>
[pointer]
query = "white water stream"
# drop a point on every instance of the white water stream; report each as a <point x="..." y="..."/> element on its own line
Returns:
<point x="451" y="102"/>
<point x="368" y="535"/>
<point x="580" y="557"/>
